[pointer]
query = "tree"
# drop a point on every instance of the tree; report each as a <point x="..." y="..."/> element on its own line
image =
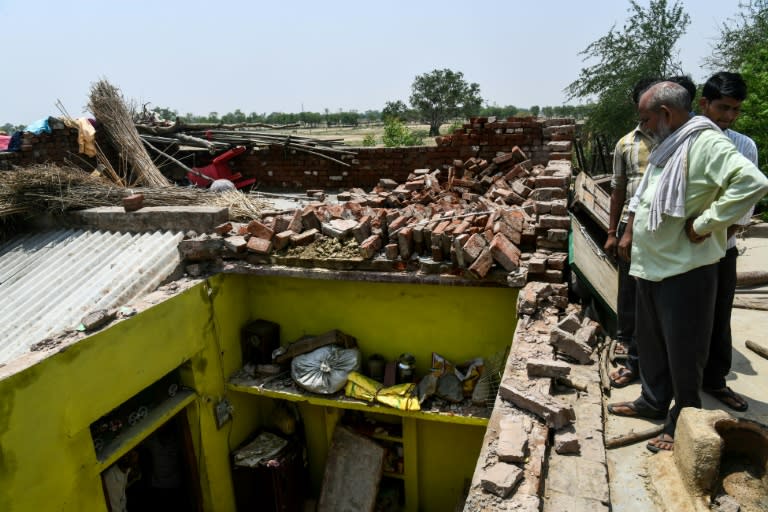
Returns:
<point x="498" y="111"/>
<point x="11" y="128"/>
<point x="166" y="113"/>
<point x="394" y="110"/>
<point x="535" y="109"/>
<point x="644" y="47"/>
<point x="397" y="134"/>
<point x="444" y="94"/>
<point x="742" y="47"/>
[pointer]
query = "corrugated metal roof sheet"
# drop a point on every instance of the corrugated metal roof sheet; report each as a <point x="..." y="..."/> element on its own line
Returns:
<point x="49" y="281"/>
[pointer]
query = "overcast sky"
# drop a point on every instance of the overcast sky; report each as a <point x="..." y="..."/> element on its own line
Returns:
<point x="220" y="55"/>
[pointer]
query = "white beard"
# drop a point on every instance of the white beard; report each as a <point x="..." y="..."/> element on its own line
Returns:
<point x="663" y="130"/>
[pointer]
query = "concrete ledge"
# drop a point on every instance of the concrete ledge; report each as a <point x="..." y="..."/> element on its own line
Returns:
<point x="759" y="230"/>
<point x="202" y="219"/>
<point x="698" y="448"/>
<point x="241" y="267"/>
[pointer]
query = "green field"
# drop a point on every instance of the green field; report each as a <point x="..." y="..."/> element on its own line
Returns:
<point x="353" y="136"/>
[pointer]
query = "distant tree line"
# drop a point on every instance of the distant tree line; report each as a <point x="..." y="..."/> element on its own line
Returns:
<point x="355" y="118"/>
<point x="437" y="97"/>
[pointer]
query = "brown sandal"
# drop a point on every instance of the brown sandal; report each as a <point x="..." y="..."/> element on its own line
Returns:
<point x="664" y="442"/>
<point x="622" y="377"/>
<point x="637" y="410"/>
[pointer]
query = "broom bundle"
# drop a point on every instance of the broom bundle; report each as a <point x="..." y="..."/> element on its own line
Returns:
<point x="52" y="188"/>
<point x="106" y="104"/>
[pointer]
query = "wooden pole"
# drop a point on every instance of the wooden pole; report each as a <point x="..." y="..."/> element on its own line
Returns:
<point x="757" y="348"/>
<point x="633" y="437"/>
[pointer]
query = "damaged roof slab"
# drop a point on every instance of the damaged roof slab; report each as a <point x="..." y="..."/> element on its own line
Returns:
<point x="202" y="219"/>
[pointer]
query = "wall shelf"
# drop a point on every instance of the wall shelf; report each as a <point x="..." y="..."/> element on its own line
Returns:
<point x="136" y="433"/>
<point x="278" y="389"/>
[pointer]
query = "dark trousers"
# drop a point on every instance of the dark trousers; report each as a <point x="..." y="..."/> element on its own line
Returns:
<point x="720" y="348"/>
<point x="625" y="310"/>
<point x="674" y="328"/>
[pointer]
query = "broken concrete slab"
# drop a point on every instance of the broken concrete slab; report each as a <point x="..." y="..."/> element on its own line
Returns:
<point x="202" y="219"/>
<point x="698" y="448"/>
<point x="547" y="368"/>
<point x="570" y="323"/>
<point x="351" y="483"/>
<point x="501" y="479"/>
<point x="567" y="343"/>
<point x="558" y="501"/>
<point x="566" y="441"/>
<point x="578" y="478"/>
<point x="513" y="438"/>
<point x="553" y="412"/>
<point x="202" y="248"/>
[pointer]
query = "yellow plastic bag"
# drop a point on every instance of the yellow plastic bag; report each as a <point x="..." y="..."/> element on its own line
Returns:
<point x="400" y="396"/>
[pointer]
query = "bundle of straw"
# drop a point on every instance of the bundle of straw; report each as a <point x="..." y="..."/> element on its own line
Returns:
<point x="48" y="187"/>
<point x="106" y="103"/>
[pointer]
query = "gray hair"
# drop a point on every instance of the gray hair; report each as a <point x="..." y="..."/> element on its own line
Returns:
<point x="668" y="94"/>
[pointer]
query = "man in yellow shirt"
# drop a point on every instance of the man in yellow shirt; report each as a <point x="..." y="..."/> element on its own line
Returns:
<point x="630" y="157"/>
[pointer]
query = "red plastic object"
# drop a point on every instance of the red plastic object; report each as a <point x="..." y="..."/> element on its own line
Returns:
<point x="218" y="169"/>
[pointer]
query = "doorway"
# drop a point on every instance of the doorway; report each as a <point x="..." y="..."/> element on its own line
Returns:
<point x="158" y="474"/>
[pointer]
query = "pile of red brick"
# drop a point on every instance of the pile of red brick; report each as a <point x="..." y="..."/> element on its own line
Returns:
<point x="57" y="146"/>
<point x="483" y="214"/>
<point x="554" y="139"/>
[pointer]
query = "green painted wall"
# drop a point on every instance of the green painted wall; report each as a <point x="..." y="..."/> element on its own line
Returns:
<point x="47" y="460"/>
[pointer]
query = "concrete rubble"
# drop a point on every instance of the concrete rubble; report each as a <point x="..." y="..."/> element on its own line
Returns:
<point x="552" y="435"/>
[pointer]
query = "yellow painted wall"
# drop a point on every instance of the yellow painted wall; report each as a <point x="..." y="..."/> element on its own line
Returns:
<point x="47" y="459"/>
<point x="447" y="458"/>
<point x="460" y="323"/>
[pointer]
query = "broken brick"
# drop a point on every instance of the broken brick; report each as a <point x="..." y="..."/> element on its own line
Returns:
<point x="513" y="438"/>
<point x="547" y="368"/>
<point x="259" y="230"/>
<point x="482" y="264"/>
<point x="283" y="239"/>
<point x="259" y="245"/>
<point x="566" y="343"/>
<point x="370" y="246"/>
<point x="554" y="413"/>
<point x="505" y="252"/>
<point x="305" y="238"/>
<point x="501" y="479"/>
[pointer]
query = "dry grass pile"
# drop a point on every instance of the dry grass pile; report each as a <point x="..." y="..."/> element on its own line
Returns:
<point x="107" y="105"/>
<point x="57" y="189"/>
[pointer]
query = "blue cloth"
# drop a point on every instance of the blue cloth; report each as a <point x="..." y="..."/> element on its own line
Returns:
<point x="39" y="127"/>
<point x="15" y="143"/>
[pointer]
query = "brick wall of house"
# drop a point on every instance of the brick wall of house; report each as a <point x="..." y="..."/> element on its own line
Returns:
<point x="55" y="147"/>
<point x="276" y="167"/>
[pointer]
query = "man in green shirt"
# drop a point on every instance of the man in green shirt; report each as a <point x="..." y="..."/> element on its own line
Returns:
<point x="696" y="185"/>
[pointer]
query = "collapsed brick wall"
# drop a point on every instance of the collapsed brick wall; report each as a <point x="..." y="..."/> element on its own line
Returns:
<point x="484" y="138"/>
<point x="277" y="168"/>
<point x="55" y="147"/>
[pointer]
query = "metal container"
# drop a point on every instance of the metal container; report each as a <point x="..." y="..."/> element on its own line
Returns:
<point x="406" y="365"/>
